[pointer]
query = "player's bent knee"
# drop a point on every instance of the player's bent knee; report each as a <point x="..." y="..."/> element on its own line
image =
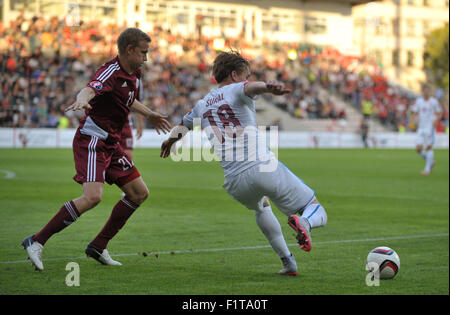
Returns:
<point x="143" y="195"/>
<point x="92" y="200"/>
<point x="138" y="196"/>
<point x="92" y="195"/>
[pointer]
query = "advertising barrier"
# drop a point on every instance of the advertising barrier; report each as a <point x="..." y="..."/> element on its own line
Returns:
<point x="55" y="138"/>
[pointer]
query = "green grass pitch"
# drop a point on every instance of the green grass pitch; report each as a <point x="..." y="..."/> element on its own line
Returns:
<point x="190" y="237"/>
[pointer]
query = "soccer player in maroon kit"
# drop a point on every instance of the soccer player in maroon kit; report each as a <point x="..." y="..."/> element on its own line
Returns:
<point x="99" y="157"/>
<point x="126" y="137"/>
<point x="127" y="140"/>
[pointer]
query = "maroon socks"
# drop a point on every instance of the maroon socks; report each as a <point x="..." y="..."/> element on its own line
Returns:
<point x="119" y="216"/>
<point x="69" y="214"/>
<point x="65" y="216"/>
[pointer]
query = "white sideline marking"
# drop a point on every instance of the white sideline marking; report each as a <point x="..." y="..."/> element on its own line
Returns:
<point x="206" y="250"/>
<point x="9" y="174"/>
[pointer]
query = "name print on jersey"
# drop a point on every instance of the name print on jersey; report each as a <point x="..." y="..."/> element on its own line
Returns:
<point x="214" y="100"/>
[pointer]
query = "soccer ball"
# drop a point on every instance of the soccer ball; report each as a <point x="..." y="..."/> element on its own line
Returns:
<point x="387" y="261"/>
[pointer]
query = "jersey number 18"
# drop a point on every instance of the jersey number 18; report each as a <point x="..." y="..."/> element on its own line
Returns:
<point x="226" y="116"/>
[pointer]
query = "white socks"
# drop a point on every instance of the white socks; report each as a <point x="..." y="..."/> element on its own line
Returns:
<point x="269" y="225"/>
<point x="316" y="215"/>
<point x="423" y="154"/>
<point x="271" y="228"/>
<point x="430" y="160"/>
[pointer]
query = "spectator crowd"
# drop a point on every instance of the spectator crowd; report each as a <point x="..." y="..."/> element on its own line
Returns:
<point x="360" y="82"/>
<point x="44" y="63"/>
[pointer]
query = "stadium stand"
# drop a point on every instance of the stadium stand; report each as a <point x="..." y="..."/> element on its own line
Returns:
<point x="43" y="63"/>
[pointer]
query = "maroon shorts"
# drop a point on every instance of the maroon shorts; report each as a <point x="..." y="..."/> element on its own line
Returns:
<point x="126" y="137"/>
<point x="97" y="161"/>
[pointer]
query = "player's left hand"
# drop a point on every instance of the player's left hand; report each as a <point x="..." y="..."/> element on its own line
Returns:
<point x="165" y="148"/>
<point x="160" y="122"/>
<point x="277" y="88"/>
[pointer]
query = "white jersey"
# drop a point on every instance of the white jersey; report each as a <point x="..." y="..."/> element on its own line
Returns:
<point x="427" y="110"/>
<point x="229" y="119"/>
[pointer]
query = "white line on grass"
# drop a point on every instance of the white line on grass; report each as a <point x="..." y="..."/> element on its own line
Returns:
<point x="8" y="174"/>
<point x="207" y="250"/>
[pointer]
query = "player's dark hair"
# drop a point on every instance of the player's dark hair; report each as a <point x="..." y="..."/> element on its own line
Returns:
<point x="227" y="62"/>
<point x="131" y="36"/>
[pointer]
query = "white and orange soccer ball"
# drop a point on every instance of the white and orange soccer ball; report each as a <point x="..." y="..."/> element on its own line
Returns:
<point x="387" y="261"/>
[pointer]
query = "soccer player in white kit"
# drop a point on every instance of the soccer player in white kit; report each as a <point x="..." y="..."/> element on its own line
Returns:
<point x="252" y="173"/>
<point x="427" y="110"/>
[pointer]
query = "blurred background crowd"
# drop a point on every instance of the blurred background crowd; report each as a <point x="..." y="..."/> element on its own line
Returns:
<point x="44" y="63"/>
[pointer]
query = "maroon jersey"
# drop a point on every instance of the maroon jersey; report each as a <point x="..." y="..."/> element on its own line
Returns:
<point x="115" y="91"/>
<point x="126" y="137"/>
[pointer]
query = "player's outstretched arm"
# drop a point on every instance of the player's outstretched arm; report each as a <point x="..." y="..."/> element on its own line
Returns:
<point x="252" y="89"/>
<point x="82" y="101"/>
<point x="176" y="134"/>
<point x="160" y="122"/>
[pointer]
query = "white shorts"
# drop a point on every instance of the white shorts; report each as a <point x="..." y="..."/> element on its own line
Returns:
<point x="288" y="192"/>
<point x="425" y="138"/>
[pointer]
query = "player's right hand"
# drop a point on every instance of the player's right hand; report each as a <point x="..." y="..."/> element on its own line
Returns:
<point x="160" y="122"/>
<point x="78" y="105"/>
<point x="139" y="132"/>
